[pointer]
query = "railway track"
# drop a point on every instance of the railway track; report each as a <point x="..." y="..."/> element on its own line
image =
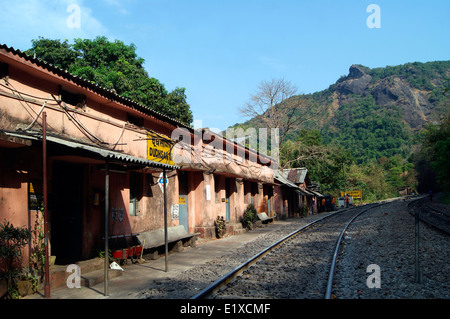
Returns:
<point x="299" y="266"/>
<point x="430" y="215"/>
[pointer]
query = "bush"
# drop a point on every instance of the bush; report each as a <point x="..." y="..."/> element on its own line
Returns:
<point x="221" y="226"/>
<point x="250" y="216"/>
<point x="304" y="210"/>
<point x="12" y="240"/>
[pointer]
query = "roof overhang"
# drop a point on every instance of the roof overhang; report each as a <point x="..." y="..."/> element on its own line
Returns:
<point x="7" y="141"/>
<point x="301" y="191"/>
<point x="315" y="193"/>
<point x="92" y="150"/>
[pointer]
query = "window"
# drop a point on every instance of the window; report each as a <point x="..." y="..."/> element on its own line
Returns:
<point x="135" y="193"/>
<point x="74" y="99"/>
<point x="217" y="188"/>
<point x="250" y="190"/>
<point x="3" y="70"/>
<point x="135" y="120"/>
<point x="247" y="191"/>
<point x="183" y="183"/>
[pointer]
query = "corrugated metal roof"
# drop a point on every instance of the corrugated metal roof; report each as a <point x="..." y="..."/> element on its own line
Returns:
<point x="109" y="94"/>
<point x="102" y="152"/>
<point x="109" y="154"/>
<point x="305" y="192"/>
<point x="296" y="175"/>
<point x="315" y="193"/>
<point x="280" y="177"/>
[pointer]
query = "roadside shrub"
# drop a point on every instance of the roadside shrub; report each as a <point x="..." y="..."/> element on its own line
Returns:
<point x="221" y="226"/>
<point x="12" y="240"/>
<point x="250" y="216"/>
<point x="304" y="210"/>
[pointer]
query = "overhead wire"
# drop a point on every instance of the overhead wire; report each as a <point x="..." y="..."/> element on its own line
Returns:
<point x="19" y="95"/>
<point x="198" y="158"/>
<point x="35" y="116"/>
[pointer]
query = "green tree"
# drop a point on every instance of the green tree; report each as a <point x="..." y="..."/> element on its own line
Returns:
<point x="435" y="152"/>
<point x="55" y="52"/>
<point x="114" y="66"/>
<point x="326" y="163"/>
<point x="178" y="106"/>
<point x="12" y="241"/>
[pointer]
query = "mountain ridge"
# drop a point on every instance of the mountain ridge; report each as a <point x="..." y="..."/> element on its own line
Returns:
<point x="377" y="112"/>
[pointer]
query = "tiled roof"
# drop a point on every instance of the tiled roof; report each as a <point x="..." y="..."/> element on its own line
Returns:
<point x="109" y="94"/>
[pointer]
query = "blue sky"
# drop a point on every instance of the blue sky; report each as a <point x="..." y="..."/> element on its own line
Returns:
<point x="220" y="50"/>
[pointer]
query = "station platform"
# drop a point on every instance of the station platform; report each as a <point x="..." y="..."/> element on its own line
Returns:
<point x="139" y="277"/>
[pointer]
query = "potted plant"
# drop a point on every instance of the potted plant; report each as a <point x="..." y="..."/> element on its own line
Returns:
<point x="304" y="210"/>
<point x="221" y="226"/>
<point x="27" y="284"/>
<point x="12" y="240"/>
<point x="37" y="259"/>
<point x="250" y="216"/>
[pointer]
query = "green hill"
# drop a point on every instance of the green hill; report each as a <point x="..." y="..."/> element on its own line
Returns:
<point x="375" y="113"/>
<point x="369" y="128"/>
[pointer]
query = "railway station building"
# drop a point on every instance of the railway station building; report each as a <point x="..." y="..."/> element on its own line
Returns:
<point x="108" y="153"/>
<point x="293" y="195"/>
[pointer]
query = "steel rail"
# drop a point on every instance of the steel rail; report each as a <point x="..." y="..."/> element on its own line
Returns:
<point x="336" y="251"/>
<point x="420" y="213"/>
<point x="438" y="211"/>
<point x="229" y="277"/>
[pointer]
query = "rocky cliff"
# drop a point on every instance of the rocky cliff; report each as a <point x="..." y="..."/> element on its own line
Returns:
<point x="376" y="112"/>
<point x="416" y="105"/>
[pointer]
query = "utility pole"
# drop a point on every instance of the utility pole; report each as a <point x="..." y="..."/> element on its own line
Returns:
<point x="44" y="169"/>
<point x="106" y="292"/>
<point x="418" y="272"/>
<point x="166" y="242"/>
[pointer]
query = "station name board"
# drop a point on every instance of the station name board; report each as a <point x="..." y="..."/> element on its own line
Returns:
<point x="354" y="194"/>
<point x="159" y="149"/>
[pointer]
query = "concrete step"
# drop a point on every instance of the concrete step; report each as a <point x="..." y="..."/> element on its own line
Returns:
<point x="236" y="229"/>
<point x="98" y="276"/>
<point x="88" y="268"/>
<point x="91" y="265"/>
<point x="240" y="231"/>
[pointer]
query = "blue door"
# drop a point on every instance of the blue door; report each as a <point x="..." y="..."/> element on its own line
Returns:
<point x="228" y="209"/>
<point x="183" y="213"/>
<point x="227" y="198"/>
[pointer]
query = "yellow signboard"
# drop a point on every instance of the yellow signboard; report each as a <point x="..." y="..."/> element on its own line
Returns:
<point x="159" y="149"/>
<point x="354" y="194"/>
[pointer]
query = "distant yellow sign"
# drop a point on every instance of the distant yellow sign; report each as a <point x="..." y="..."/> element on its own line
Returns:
<point x="182" y="201"/>
<point x="354" y="194"/>
<point x="159" y="149"/>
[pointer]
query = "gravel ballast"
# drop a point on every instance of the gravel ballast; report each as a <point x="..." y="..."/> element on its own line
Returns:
<point x="383" y="236"/>
<point x="386" y="237"/>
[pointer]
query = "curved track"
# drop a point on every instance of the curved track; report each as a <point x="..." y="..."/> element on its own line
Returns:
<point x="300" y="265"/>
<point x="430" y="215"/>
